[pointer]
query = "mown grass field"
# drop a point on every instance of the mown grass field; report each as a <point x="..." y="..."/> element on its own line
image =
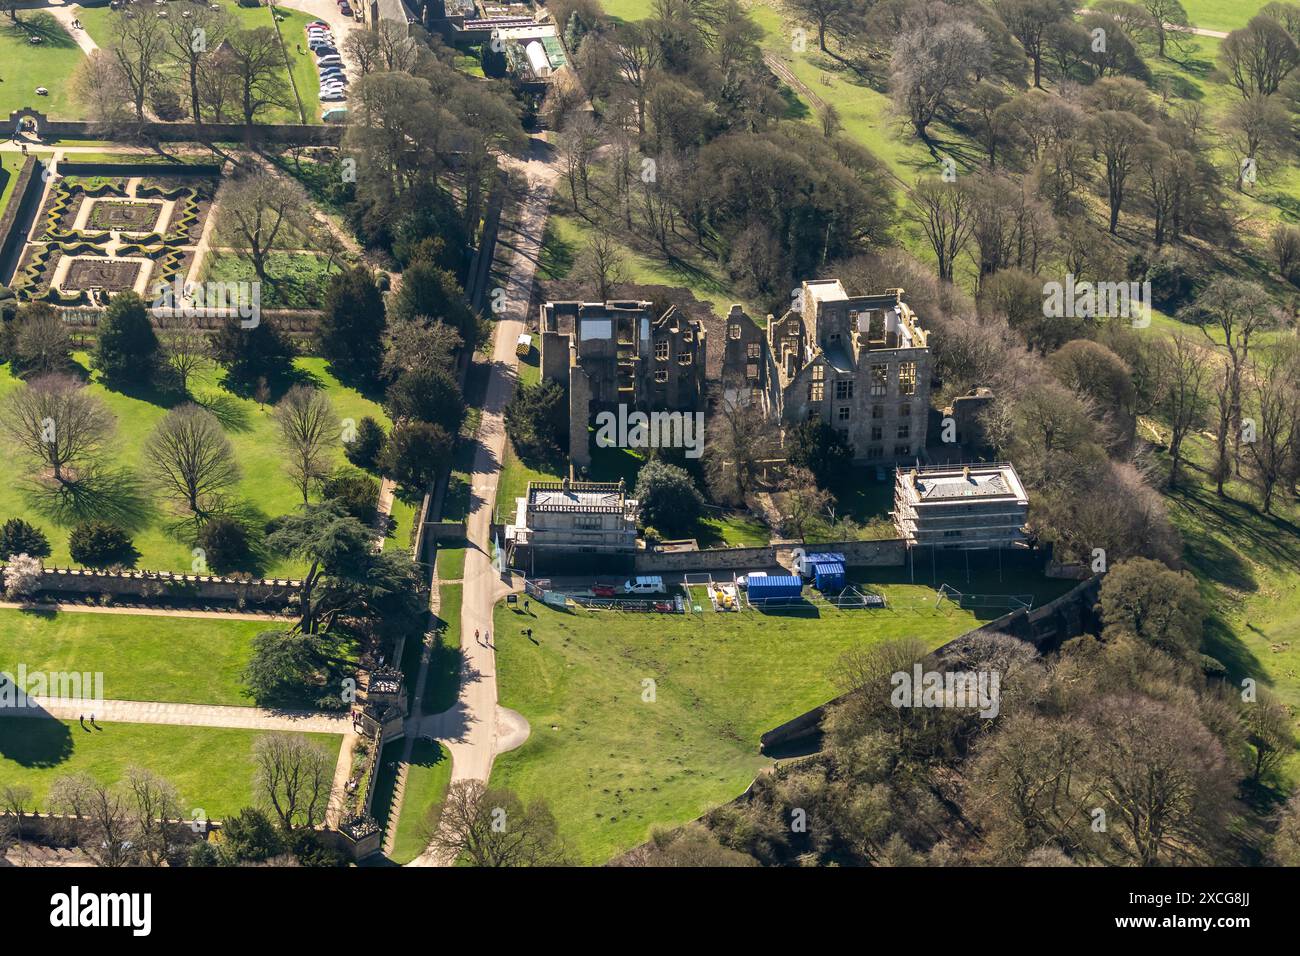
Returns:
<point x="611" y="763"/>
<point x="427" y="779"/>
<point x="211" y="767"/>
<point x="142" y="657"/>
<point x="25" y="65"/>
<point x="162" y="538"/>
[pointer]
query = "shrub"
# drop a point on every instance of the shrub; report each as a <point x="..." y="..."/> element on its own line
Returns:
<point x="126" y="349"/>
<point x="22" y="577"/>
<point x="414" y="453"/>
<point x="99" y="544"/>
<point x="366" y="446"/>
<point x="19" y="537"/>
<point x="537" y="421"/>
<point x="358" y="494"/>
<point x="669" y="499"/>
<point x="226" y="545"/>
<point x="426" y="395"/>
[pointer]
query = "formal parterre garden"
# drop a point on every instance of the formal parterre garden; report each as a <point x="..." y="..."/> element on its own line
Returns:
<point x="120" y="234"/>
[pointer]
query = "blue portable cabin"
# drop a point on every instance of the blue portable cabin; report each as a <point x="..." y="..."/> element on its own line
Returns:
<point x="829" y="576"/>
<point x="774" y="588"/>
<point x="808" y="562"/>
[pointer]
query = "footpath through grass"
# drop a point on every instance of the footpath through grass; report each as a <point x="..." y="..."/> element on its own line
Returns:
<point x="211" y="767"/>
<point x="642" y="720"/>
<point x="142" y="657"/>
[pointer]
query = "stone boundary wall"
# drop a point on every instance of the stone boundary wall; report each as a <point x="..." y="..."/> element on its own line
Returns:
<point x="164" y="585"/>
<point x="890" y="552"/>
<point x="286" y="134"/>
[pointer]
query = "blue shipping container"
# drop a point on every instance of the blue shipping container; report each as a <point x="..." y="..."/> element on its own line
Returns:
<point x="774" y="588"/>
<point x="829" y="576"/>
<point x="808" y="562"/>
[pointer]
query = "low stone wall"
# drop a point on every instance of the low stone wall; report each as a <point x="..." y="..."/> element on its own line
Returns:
<point x="164" y="586"/>
<point x="288" y="133"/>
<point x="891" y="552"/>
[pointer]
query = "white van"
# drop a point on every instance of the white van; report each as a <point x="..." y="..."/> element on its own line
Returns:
<point x="647" y="584"/>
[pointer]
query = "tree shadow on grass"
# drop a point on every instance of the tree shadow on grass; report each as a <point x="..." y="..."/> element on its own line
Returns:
<point x="227" y="410"/>
<point x="36" y="742"/>
<point x="114" y="495"/>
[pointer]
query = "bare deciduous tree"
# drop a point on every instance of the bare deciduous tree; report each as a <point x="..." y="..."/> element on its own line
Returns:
<point x="154" y="808"/>
<point x="600" y="264"/>
<point x="295" y="778"/>
<point x="309" y="428"/>
<point x="945" y="213"/>
<point x="492" y="827"/>
<point x="138" y="45"/>
<point x="59" y="424"/>
<point x="192" y="459"/>
<point x="260" y="206"/>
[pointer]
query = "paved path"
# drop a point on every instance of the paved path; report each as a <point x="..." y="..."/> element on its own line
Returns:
<point x="476" y="728"/>
<point x="187" y="715"/>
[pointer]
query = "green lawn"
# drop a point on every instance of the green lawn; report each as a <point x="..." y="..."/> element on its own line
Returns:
<point x="1221" y="15"/>
<point x="24" y="66"/>
<point x="211" y="767"/>
<point x="11" y="165"/>
<point x="142" y="657"/>
<point x="451" y="560"/>
<point x="427" y="779"/>
<point x="264" y="490"/>
<point x="302" y="66"/>
<point x="731" y="529"/>
<point x="442" y="682"/>
<point x="611" y="765"/>
<point x="1248" y="564"/>
<point x="293" y="280"/>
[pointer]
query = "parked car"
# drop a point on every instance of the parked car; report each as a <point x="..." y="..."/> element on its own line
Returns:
<point x="332" y="96"/>
<point x="645" y="584"/>
<point x="604" y="590"/>
<point x="345" y="10"/>
<point x="329" y="59"/>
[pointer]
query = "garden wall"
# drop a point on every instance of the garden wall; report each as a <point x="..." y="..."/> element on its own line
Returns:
<point x="165" y="586"/>
<point x="891" y="552"/>
<point x="286" y="133"/>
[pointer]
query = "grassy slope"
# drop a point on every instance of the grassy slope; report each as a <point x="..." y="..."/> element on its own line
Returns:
<point x="182" y="660"/>
<point x="24" y="66"/>
<point x="427" y="780"/>
<point x="611" y="765"/>
<point x="251" y="430"/>
<point x="211" y="767"/>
